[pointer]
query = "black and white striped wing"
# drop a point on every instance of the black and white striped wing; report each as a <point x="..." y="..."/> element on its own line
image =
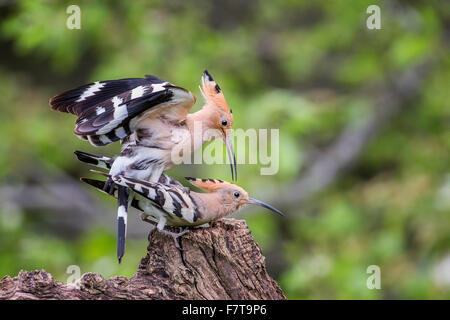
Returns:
<point x="109" y="111"/>
<point x="169" y="198"/>
<point x="99" y="185"/>
<point x="139" y="203"/>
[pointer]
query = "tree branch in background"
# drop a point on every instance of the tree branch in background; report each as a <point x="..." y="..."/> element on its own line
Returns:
<point x="71" y="206"/>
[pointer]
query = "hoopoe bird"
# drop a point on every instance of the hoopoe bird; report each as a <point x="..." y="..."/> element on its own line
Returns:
<point x="151" y="118"/>
<point x="176" y="206"/>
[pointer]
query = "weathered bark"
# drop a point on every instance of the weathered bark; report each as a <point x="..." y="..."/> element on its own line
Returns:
<point x="219" y="262"/>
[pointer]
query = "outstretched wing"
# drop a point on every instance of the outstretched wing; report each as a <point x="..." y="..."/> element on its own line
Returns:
<point x="169" y="198"/>
<point x="110" y="110"/>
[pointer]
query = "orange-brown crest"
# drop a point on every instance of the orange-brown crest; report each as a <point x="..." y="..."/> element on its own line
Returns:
<point x="209" y="185"/>
<point x="214" y="98"/>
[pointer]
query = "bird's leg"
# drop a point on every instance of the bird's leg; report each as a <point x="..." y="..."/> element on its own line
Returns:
<point x="174" y="235"/>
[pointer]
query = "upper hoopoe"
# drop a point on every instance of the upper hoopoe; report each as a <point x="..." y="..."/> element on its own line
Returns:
<point x="151" y="118"/>
<point x="176" y="206"/>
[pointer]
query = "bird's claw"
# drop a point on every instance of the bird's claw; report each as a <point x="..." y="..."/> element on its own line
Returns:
<point x="175" y="236"/>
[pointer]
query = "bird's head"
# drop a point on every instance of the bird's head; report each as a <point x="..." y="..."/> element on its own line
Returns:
<point x="220" y="116"/>
<point x="231" y="196"/>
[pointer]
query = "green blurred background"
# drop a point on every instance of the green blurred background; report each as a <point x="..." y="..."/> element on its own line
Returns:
<point x="364" y="120"/>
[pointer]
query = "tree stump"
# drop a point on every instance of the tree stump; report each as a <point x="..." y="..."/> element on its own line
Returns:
<point x="219" y="262"/>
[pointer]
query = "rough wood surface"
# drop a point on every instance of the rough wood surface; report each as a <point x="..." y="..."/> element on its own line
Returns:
<point x="220" y="262"/>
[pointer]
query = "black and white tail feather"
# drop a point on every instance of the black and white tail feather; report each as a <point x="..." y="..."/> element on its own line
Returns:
<point x="98" y="161"/>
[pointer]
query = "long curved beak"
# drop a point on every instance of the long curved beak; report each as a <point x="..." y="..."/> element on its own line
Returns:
<point x="231" y="156"/>
<point x="265" y="205"/>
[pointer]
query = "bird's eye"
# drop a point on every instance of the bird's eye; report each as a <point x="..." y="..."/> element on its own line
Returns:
<point x="236" y="194"/>
<point x="224" y="122"/>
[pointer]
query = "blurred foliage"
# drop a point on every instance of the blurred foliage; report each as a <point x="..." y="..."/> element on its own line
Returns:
<point x="309" y="68"/>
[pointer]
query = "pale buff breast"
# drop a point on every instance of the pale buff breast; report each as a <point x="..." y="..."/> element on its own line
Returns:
<point x="167" y="136"/>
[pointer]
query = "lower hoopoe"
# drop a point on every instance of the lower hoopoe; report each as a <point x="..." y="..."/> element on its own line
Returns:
<point x="174" y="205"/>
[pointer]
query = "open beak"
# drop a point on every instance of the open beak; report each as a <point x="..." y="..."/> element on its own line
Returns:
<point x="231" y="156"/>
<point x="265" y="205"/>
